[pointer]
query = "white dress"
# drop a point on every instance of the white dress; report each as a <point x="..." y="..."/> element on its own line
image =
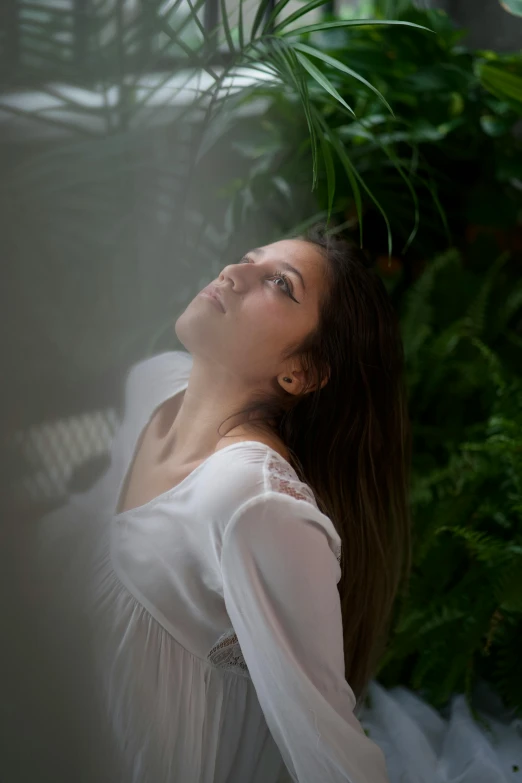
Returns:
<point x="200" y="634"/>
<point x="197" y="638"/>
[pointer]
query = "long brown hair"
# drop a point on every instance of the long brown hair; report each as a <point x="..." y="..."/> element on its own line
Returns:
<point x="350" y="441"/>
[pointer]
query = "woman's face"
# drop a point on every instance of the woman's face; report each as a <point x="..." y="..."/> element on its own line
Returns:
<point x="265" y="312"/>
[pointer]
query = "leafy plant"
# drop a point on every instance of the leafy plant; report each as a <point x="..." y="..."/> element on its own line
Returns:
<point x="432" y="157"/>
<point x="107" y="186"/>
<point x="270" y="50"/>
<point x="462" y="614"/>
<point x="502" y="77"/>
<point x="449" y="157"/>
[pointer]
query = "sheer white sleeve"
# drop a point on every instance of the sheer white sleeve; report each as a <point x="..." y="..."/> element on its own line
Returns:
<point x="280" y="575"/>
<point x="149" y="378"/>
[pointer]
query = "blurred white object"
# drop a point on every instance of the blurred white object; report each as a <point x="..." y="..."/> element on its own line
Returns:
<point x="422" y="746"/>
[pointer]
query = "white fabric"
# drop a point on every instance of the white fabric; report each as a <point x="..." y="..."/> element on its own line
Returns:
<point x="198" y="638"/>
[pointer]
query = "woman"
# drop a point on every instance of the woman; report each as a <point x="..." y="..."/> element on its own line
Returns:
<point x="232" y="598"/>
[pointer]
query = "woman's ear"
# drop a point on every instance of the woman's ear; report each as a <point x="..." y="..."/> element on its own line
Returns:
<point x="298" y="380"/>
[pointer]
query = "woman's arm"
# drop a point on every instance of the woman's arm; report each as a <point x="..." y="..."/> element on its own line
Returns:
<point x="280" y="578"/>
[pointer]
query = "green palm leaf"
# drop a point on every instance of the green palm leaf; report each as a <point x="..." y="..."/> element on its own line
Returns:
<point x="319" y="26"/>
<point x="289" y="60"/>
<point x="226" y="27"/>
<point x="263" y="7"/>
<point x="496" y="78"/>
<point x="341" y="67"/>
<point x="322" y="80"/>
<point x="296" y="15"/>
<point x="349" y="169"/>
<point x="330" y="171"/>
<point x="240" y="26"/>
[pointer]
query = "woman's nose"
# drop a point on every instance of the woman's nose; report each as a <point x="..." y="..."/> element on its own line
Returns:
<point x="236" y="274"/>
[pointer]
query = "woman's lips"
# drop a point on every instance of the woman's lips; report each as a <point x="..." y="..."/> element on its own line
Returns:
<point x="211" y="294"/>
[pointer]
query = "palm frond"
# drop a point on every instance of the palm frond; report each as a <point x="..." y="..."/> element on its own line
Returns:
<point x="356" y="175"/>
<point x="341" y="67"/>
<point x="310" y="6"/>
<point x="321" y="79"/>
<point x="330" y="172"/>
<point x="321" y="26"/>
<point x="226" y="27"/>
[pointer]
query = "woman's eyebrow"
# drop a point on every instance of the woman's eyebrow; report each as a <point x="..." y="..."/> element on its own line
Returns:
<point x="284" y="264"/>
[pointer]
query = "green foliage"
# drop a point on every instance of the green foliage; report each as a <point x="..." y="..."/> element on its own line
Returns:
<point x="502" y="77"/>
<point x="78" y="196"/>
<point x="432" y="155"/>
<point x="449" y="155"/>
<point x="461" y="615"/>
<point x="271" y="47"/>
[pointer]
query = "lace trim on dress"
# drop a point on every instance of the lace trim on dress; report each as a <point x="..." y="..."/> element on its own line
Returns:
<point x="226" y="654"/>
<point x="283" y="478"/>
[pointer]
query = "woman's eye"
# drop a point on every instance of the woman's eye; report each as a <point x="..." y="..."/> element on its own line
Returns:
<point x="279" y="276"/>
<point x="287" y="288"/>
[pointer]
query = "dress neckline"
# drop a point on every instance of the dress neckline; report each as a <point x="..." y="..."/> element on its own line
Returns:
<point x="172" y="490"/>
<point x="116" y="515"/>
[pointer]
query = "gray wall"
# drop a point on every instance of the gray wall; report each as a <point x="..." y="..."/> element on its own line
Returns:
<point x="489" y="25"/>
